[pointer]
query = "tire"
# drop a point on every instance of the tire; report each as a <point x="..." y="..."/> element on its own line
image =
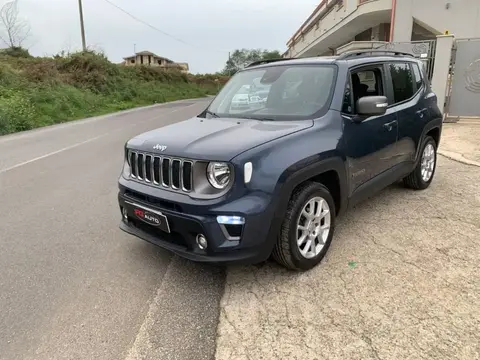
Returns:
<point x="415" y="180"/>
<point x="286" y="251"/>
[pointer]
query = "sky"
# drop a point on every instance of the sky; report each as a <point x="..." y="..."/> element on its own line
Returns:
<point x="208" y="29"/>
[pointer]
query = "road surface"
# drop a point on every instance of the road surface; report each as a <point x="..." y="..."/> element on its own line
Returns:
<point x="73" y="286"/>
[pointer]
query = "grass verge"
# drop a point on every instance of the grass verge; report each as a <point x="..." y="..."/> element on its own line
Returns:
<point x="36" y="92"/>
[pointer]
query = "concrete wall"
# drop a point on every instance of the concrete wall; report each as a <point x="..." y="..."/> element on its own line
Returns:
<point x="462" y="18"/>
<point x="334" y="24"/>
<point x="441" y="68"/>
<point x="459" y="17"/>
<point x="332" y="21"/>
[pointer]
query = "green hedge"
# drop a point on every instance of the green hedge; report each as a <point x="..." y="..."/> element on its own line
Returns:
<point x="35" y="92"/>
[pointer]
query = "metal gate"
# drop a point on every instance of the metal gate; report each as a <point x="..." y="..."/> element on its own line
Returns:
<point x="423" y="50"/>
<point x="464" y="90"/>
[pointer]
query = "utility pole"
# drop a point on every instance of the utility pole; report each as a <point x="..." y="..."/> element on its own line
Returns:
<point x="82" y="27"/>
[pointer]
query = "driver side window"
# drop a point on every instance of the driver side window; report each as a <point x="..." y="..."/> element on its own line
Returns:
<point x="364" y="82"/>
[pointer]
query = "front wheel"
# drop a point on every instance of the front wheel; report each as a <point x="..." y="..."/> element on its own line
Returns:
<point x="307" y="229"/>
<point x="421" y="177"/>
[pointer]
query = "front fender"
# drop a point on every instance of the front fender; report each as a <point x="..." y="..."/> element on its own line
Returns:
<point x="298" y="174"/>
<point x="305" y="170"/>
<point x="280" y="166"/>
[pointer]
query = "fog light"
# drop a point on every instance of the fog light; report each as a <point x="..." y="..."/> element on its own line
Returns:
<point x="124" y="213"/>
<point x="230" y="220"/>
<point x="202" y="241"/>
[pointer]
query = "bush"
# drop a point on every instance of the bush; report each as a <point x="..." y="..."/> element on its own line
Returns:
<point x="16" y="52"/>
<point x="36" y="92"/>
<point x="16" y="112"/>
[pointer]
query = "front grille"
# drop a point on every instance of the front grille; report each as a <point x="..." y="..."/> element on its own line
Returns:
<point x="173" y="173"/>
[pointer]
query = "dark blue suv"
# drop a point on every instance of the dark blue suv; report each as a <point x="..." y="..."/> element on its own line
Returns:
<point x="270" y="178"/>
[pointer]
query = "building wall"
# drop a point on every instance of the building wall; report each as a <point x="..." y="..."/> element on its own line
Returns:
<point x="154" y="61"/>
<point x="334" y="19"/>
<point x="459" y="17"/>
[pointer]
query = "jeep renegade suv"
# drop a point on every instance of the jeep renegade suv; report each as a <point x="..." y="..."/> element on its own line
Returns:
<point x="234" y="185"/>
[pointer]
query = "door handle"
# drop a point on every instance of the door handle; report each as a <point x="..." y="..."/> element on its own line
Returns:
<point x="389" y="126"/>
<point x="421" y="113"/>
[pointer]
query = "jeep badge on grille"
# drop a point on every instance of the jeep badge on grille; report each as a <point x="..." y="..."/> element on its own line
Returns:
<point x="160" y="147"/>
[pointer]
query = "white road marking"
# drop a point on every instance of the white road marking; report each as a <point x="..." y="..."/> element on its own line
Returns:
<point x="87" y="141"/>
<point x="52" y="153"/>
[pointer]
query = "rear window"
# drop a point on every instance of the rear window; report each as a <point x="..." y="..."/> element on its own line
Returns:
<point x="402" y="81"/>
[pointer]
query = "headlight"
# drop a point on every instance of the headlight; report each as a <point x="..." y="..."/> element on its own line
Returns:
<point x="218" y="174"/>
<point x="126" y="171"/>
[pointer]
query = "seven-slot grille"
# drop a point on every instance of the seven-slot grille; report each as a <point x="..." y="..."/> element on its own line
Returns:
<point x="164" y="171"/>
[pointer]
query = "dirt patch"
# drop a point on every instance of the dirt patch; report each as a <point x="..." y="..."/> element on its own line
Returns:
<point x="401" y="281"/>
<point x="462" y="138"/>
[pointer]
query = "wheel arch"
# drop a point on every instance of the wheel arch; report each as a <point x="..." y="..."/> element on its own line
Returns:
<point x="330" y="172"/>
<point x="432" y="128"/>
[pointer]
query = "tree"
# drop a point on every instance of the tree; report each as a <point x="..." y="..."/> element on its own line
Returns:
<point x="14" y="31"/>
<point x="242" y="57"/>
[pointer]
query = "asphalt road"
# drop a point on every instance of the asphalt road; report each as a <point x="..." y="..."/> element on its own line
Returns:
<point x="72" y="285"/>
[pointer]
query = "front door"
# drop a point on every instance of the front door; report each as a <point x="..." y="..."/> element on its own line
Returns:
<point x="370" y="146"/>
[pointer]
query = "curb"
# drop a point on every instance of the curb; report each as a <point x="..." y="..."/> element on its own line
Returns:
<point x="458" y="158"/>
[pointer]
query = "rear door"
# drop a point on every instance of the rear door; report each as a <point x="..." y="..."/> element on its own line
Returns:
<point x="407" y="98"/>
<point x="370" y="145"/>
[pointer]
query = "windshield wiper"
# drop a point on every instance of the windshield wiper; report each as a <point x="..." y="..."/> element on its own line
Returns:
<point x="211" y="113"/>
<point x="256" y="118"/>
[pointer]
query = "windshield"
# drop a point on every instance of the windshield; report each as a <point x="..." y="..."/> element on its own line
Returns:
<point x="276" y="93"/>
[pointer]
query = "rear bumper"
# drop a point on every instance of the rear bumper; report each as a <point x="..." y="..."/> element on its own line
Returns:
<point x="253" y="246"/>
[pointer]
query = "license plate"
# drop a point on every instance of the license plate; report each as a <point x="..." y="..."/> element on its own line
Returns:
<point x="150" y="216"/>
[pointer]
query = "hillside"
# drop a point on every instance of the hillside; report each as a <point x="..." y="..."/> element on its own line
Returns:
<point x="36" y="92"/>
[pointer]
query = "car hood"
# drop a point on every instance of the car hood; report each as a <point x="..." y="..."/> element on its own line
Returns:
<point x="218" y="139"/>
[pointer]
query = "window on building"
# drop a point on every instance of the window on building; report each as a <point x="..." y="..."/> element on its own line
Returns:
<point x="132" y="61"/>
<point x="141" y="59"/>
<point x="418" y="77"/>
<point x="402" y="81"/>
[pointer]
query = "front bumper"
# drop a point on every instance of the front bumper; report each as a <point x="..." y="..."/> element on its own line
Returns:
<point x="254" y="244"/>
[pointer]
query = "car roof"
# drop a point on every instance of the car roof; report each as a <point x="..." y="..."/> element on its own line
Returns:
<point x="351" y="59"/>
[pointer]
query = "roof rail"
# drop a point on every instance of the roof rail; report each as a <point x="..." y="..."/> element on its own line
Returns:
<point x="266" y="61"/>
<point x="376" y="52"/>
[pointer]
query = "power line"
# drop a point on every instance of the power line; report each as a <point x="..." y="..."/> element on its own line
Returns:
<point x="153" y="27"/>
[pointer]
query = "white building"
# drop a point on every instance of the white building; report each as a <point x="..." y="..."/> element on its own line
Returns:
<point x="339" y="25"/>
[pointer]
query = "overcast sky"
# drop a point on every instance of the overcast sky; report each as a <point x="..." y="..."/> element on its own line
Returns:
<point x="211" y="27"/>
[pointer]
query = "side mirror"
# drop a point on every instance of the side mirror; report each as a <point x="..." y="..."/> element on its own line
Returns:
<point x="372" y="105"/>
